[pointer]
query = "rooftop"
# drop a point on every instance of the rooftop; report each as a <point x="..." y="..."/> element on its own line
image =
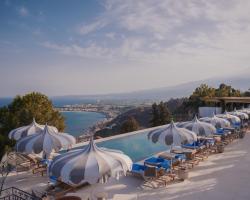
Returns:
<point x="228" y="99"/>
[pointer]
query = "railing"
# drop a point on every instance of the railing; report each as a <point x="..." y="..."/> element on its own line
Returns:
<point x="14" y="193"/>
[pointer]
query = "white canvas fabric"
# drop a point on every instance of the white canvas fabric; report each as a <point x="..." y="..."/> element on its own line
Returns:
<point x="239" y="114"/>
<point x="45" y="141"/>
<point x="216" y="121"/>
<point x="172" y="135"/>
<point x="199" y="127"/>
<point x="89" y="165"/>
<point x="245" y="110"/>
<point x="231" y="118"/>
<point x="31" y="129"/>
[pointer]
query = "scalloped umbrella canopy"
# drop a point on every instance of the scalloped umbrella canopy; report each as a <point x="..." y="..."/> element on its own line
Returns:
<point x="90" y="164"/>
<point x="172" y="135"/>
<point x="231" y="118"/>
<point x="46" y="141"/>
<point x="216" y="121"/>
<point x="241" y="115"/>
<point x="31" y="129"/>
<point x="200" y="128"/>
<point x="245" y="110"/>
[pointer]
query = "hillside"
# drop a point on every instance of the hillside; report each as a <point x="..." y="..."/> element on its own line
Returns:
<point x="240" y="81"/>
<point x="141" y="114"/>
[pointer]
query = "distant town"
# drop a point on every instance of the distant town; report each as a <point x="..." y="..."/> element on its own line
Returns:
<point x="110" y="111"/>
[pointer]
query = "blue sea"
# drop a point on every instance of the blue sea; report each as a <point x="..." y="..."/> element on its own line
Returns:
<point x="77" y="122"/>
<point x="57" y="101"/>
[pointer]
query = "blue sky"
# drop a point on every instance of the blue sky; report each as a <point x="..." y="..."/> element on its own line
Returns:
<point x="101" y="46"/>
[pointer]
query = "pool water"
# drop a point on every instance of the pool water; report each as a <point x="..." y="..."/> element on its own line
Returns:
<point x="136" y="146"/>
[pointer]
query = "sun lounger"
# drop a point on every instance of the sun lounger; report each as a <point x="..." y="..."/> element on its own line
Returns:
<point x="190" y="160"/>
<point x="41" y="169"/>
<point x="158" y="162"/>
<point x="150" y="174"/>
<point x="176" y="158"/>
<point x="137" y="169"/>
<point x="151" y="177"/>
<point x="196" y="145"/>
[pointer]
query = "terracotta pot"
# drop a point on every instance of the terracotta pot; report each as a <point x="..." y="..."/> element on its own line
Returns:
<point x="183" y="173"/>
<point x="220" y="148"/>
<point x="241" y="135"/>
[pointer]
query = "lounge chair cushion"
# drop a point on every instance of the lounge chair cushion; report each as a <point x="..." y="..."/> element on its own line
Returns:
<point x="137" y="168"/>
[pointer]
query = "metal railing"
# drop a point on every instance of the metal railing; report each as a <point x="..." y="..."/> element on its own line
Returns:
<point x="14" y="193"/>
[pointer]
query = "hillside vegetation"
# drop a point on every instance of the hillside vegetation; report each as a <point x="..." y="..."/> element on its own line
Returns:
<point x="178" y="109"/>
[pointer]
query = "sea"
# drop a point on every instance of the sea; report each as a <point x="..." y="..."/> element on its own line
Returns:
<point x="76" y="122"/>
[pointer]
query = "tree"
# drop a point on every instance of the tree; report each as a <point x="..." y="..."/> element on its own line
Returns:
<point x="227" y="91"/>
<point x="130" y="125"/>
<point x="21" y="112"/>
<point x="155" y="115"/>
<point x="164" y="115"/>
<point x="247" y="93"/>
<point x="160" y="114"/>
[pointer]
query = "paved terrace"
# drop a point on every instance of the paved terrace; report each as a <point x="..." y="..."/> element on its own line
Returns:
<point x="222" y="176"/>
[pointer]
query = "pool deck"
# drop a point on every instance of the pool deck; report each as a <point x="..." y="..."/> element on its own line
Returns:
<point x="223" y="176"/>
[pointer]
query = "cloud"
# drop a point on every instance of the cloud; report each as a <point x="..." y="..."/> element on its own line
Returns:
<point x="110" y="35"/>
<point x="174" y="33"/>
<point x="86" y="29"/>
<point x="91" y="51"/>
<point x="23" y="11"/>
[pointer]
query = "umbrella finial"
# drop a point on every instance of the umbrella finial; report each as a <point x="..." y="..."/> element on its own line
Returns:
<point x="172" y="120"/>
<point x="172" y="124"/>
<point x="213" y="114"/>
<point x="195" y="119"/>
<point x="92" y="142"/>
<point x="33" y="121"/>
<point x="46" y="128"/>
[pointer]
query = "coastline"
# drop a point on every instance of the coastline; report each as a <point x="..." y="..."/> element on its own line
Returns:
<point x="90" y="111"/>
<point x="109" y="113"/>
<point x="86" y="132"/>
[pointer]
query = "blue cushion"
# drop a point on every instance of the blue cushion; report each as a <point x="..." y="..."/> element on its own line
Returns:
<point x="154" y="160"/>
<point x="194" y="144"/>
<point x="219" y="130"/>
<point x="138" y="167"/>
<point x="53" y="179"/>
<point x="166" y="164"/>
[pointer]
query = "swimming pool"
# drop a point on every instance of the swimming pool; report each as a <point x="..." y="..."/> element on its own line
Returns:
<point x="135" y="144"/>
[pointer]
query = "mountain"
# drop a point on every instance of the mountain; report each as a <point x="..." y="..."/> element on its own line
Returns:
<point x="241" y="82"/>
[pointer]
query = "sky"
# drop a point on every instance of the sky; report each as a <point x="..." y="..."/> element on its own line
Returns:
<point x="83" y="47"/>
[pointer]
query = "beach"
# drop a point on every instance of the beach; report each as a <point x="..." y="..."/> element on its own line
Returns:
<point x="222" y="176"/>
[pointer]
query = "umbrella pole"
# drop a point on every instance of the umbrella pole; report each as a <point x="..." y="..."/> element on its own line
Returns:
<point x="171" y="158"/>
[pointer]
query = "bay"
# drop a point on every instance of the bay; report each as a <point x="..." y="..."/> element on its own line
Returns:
<point x="77" y="122"/>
